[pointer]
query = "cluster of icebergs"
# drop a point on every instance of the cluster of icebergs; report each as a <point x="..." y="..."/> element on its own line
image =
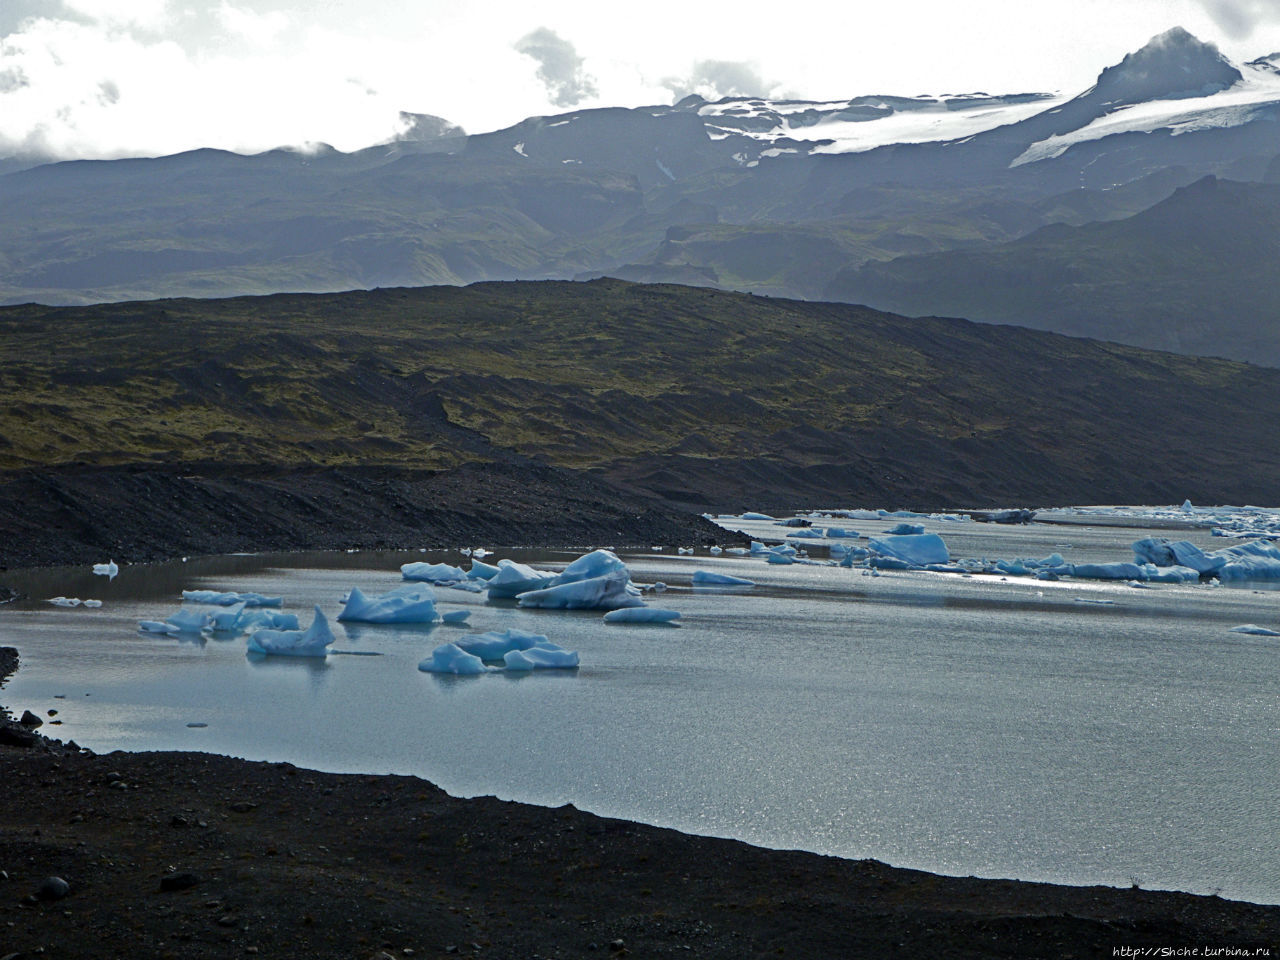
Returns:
<point x="905" y="546"/>
<point x="596" y="581"/>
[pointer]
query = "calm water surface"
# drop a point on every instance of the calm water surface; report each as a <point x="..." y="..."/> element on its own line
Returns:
<point x="1070" y="732"/>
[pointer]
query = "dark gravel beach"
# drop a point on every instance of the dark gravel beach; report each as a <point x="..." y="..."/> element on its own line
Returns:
<point x="185" y="855"/>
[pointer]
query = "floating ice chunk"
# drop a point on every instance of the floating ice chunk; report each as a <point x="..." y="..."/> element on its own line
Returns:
<point x="1166" y="553"/>
<point x="494" y="645"/>
<point x="226" y="619"/>
<point x="513" y="579"/>
<point x="918" y="549"/>
<point x="1115" y="570"/>
<point x="450" y="658"/>
<point x="1256" y="560"/>
<point x="1187" y="507"/>
<point x="1174" y="574"/>
<point x="641" y="615"/>
<point x="188" y="621"/>
<point x="841" y="533"/>
<point x="91" y="603"/>
<point x="737" y="551"/>
<point x="608" y="592"/>
<point x="779" y="558"/>
<point x="543" y="656"/>
<point x="311" y="642"/>
<point x="274" y="619"/>
<point x="108" y="569"/>
<point x="716" y="551"/>
<point x="806" y="534"/>
<point x="705" y="578"/>
<point x="597" y="563"/>
<point x="227" y="599"/>
<point x="456" y="616"/>
<point x="480" y="570"/>
<point x="758" y="548"/>
<point x="64" y="601"/>
<point x="412" y="603"/>
<point x="905" y="530"/>
<point x="432" y="572"/>
<point x="154" y="626"/>
<point x="782" y="550"/>
<point x="757" y="516"/>
<point x="1255" y="630"/>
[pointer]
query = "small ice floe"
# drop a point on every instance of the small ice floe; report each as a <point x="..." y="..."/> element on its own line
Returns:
<point x="1255" y="630"/>
<point x="94" y="604"/>
<point x="518" y="651"/>
<point x="684" y="550"/>
<point x="188" y="621"/>
<point x="495" y="644"/>
<point x="455" y="616"/>
<point x="312" y="642"/>
<point x="108" y="569"/>
<point x="1091" y="600"/>
<point x="641" y="615"/>
<point x="542" y="656"/>
<point x="450" y="658"/>
<point x="757" y="516"/>
<point x="737" y="551"/>
<point x="905" y="530"/>
<point x="705" y="578"/>
<point x="479" y="553"/>
<point x="716" y="551"/>
<point x="64" y="601"/>
<point x="411" y="603"/>
<point x="432" y="572"/>
<point x="154" y="626"/>
<point x="221" y="598"/>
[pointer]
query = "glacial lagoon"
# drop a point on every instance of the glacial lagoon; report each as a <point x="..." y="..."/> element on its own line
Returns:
<point x="1066" y="730"/>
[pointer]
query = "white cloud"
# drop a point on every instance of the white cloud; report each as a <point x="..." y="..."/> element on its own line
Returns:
<point x="259" y="29"/>
<point x="1240" y="18"/>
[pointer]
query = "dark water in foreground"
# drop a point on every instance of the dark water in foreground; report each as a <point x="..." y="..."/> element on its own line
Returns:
<point x="1070" y="732"/>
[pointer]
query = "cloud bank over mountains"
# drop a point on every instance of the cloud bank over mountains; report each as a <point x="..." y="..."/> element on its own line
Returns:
<point x="108" y="78"/>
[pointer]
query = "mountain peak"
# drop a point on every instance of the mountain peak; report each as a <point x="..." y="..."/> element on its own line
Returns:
<point x="1173" y="65"/>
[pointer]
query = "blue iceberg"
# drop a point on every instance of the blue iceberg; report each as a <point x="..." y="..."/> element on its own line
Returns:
<point x="312" y="642"/>
<point x="412" y="603"/>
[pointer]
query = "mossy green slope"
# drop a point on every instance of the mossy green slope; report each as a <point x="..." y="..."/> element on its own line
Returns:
<point x="695" y="394"/>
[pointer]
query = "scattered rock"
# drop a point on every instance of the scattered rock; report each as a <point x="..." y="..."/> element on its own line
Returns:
<point x="52" y="888"/>
<point x="29" y="719"/>
<point x="17" y="737"/>
<point x="178" y="881"/>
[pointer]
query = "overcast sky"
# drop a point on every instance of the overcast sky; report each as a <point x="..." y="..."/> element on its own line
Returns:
<point x="101" y="78"/>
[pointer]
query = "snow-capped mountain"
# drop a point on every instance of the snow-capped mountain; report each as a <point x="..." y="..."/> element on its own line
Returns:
<point x="774" y="196"/>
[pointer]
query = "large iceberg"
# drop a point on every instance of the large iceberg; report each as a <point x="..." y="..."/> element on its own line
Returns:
<point x="312" y="642"/>
<point x="1256" y="560"/>
<point x="411" y="603"/>
<point x="513" y="579"/>
<point x="609" y="592"/>
<point x="911" y="550"/>
<point x="1182" y="553"/>
<point x="595" y="581"/>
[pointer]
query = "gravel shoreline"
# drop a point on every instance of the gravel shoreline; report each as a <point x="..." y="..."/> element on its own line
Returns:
<point x="189" y="855"/>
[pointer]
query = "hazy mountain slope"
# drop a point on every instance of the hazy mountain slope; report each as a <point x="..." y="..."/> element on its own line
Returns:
<point x="700" y="396"/>
<point x="1194" y="273"/>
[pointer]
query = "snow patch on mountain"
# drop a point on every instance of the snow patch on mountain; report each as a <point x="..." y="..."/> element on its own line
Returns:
<point x="864" y="123"/>
<point x="1257" y="92"/>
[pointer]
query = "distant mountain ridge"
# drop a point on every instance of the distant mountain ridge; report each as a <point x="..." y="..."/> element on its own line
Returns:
<point x="787" y="198"/>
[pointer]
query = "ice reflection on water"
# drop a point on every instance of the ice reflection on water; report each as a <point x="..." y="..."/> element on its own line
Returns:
<point x="978" y="725"/>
